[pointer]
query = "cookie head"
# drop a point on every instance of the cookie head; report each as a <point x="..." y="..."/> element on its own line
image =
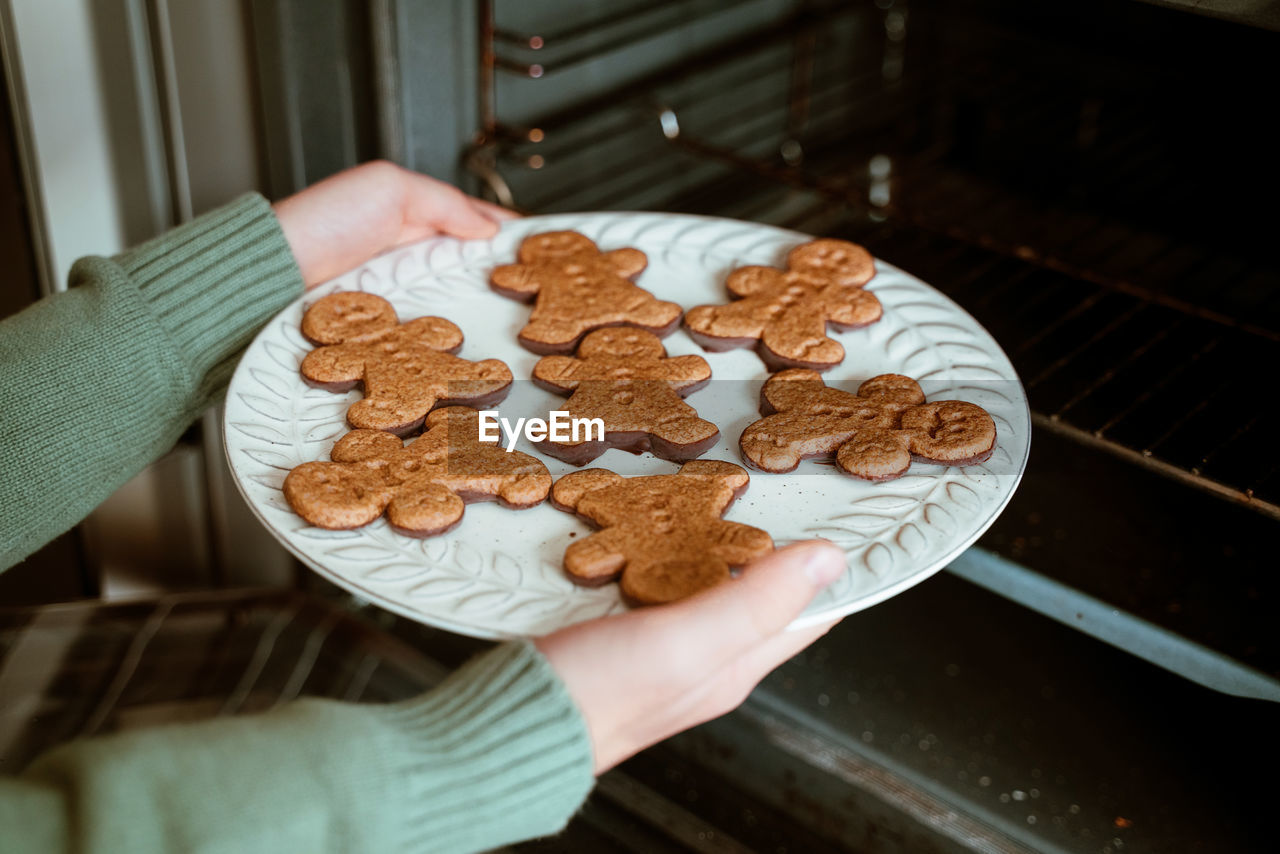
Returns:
<point x="894" y="390"/>
<point x="347" y="316"/>
<point x="621" y="342"/>
<point x="833" y="261"/>
<point x="569" y="490"/>
<point x="950" y="431"/>
<point x="555" y="246"/>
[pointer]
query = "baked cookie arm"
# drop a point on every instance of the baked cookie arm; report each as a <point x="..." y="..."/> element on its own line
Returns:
<point x="334" y="363"/>
<point x="543" y="329"/>
<point x="685" y="372"/>
<point x="526" y="489"/>
<point x="465" y="381"/>
<point x="626" y="262"/>
<point x="389" y="411"/>
<point x="517" y="280"/>
<point x="790" y="389"/>
<point x="558" y="372"/>
<point x="569" y="490"/>
<point x="685" y="429"/>
<point x="746" y="281"/>
<point x="849" y="307"/>
<point x="738" y="322"/>
<point x="652" y="313"/>
<point x="363" y="445"/>
<point x="739" y="544"/>
<point x="598" y="559"/>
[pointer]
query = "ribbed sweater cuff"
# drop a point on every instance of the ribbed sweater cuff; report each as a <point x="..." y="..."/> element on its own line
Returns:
<point x="213" y="282"/>
<point x="502" y="754"/>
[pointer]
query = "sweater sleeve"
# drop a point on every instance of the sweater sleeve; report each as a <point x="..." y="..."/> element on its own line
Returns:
<point x="498" y="753"/>
<point x="100" y="381"/>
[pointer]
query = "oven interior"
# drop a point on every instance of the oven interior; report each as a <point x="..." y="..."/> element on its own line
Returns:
<point x="1092" y="182"/>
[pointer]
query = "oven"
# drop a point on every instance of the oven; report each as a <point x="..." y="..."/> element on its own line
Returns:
<point x="1093" y="182"/>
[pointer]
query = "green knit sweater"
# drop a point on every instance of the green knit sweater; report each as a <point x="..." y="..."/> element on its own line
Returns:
<point x="99" y="382"/>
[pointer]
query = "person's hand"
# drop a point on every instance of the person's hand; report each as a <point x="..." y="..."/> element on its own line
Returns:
<point x="648" y="674"/>
<point x="344" y="220"/>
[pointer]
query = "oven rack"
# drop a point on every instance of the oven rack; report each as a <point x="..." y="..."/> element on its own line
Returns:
<point x="651" y="111"/>
<point x="535" y="53"/>
<point x="622" y="120"/>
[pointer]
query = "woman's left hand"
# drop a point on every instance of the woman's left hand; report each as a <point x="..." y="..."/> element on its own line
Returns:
<point x="344" y="220"/>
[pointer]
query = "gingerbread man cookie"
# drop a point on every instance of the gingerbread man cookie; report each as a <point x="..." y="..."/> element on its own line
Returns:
<point x="421" y="486"/>
<point x="662" y="534"/>
<point x="785" y="313"/>
<point x="625" y="378"/>
<point x="577" y="289"/>
<point x="873" y="434"/>
<point x="407" y="368"/>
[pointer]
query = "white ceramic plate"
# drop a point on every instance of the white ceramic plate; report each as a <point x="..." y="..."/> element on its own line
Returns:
<point x="498" y="574"/>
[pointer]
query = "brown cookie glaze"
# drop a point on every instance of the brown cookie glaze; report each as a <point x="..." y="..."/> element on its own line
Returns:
<point x="784" y="314"/>
<point x="577" y="288"/>
<point x="662" y="535"/>
<point x="625" y="378"/>
<point x="422" y="486"/>
<point x="873" y="435"/>
<point x="407" y="368"/>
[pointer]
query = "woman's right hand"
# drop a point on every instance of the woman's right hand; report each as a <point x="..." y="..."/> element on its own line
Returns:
<point x="650" y="673"/>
